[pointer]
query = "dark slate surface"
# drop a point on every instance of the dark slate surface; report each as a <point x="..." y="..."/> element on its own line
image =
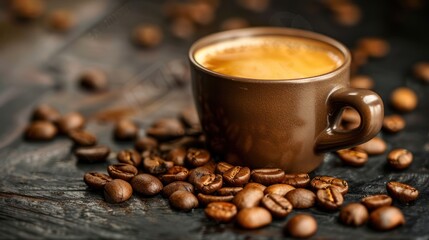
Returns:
<point x="42" y="194"/>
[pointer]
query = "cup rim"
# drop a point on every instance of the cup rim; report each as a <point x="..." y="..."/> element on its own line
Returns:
<point x="260" y="31"/>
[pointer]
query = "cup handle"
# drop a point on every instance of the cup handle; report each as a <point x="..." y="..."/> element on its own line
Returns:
<point x="370" y="108"/>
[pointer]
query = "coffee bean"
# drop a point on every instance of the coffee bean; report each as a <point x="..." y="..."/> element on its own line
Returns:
<point x="46" y="113"/>
<point x="301" y="226"/>
<point x="176" y="173"/>
<point x="61" y="20"/>
<point x="209" y="183"/>
<point x="27" y="9"/>
<point x="400" y="158"/>
<point x="155" y="165"/>
<point x="146" y="184"/>
<point x="279" y="189"/>
<point x="421" y="71"/>
<point x="375" y="146"/>
<point x="404" y="99"/>
<point x="176" y="186"/>
<point x="177" y="156"/>
<point x="82" y="138"/>
<point x="122" y="171"/>
<point x="125" y="130"/>
<point x="354" y="214"/>
<point x="222" y="167"/>
<point x="117" y="191"/>
<point x="255" y="185"/>
<point x="197" y="157"/>
<point x="71" y="121"/>
<point x="278" y="205"/>
<point x="248" y="197"/>
<point x="189" y="116"/>
<point x="201" y="13"/>
<point x="376" y="201"/>
<point x="166" y="129"/>
<point x="182" y="28"/>
<point x="148" y="36"/>
<point x="386" y="218"/>
<point x="393" y="123"/>
<point x="205" y="199"/>
<point x="92" y="154"/>
<point x="40" y="131"/>
<point x="354" y="157"/>
<point x="237" y="176"/>
<point x="402" y="192"/>
<point x="268" y="176"/>
<point x="374" y="47"/>
<point x="321" y="182"/>
<point x="350" y="115"/>
<point x="129" y="156"/>
<point x="254" y="217"/>
<point x="146" y="143"/>
<point x="183" y="200"/>
<point x="300" y="180"/>
<point x="197" y="173"/>
<point x="226" y="191"/>
<point x="301" y="198"/>
<point x="347" y="13"/>
<point x="221" y="211"/>
<point x="234" y="23"/>
<point x="329" y="198"/>
<point x="96" y="180"/>
<point x="255" y="5"/>
<point x="361" y="81"/>
<point x="94" y="80"/>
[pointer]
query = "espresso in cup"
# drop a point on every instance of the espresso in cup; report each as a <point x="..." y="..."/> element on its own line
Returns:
<point x="270" y="57"/>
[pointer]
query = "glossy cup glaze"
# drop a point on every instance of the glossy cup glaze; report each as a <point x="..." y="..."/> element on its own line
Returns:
<point x="287" y="124"/>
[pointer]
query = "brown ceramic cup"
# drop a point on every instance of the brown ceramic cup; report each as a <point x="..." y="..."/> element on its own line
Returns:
<point x="286" y="124"/>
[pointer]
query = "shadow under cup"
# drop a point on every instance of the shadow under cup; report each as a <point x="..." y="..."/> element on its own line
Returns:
<point x="281" y="123"/>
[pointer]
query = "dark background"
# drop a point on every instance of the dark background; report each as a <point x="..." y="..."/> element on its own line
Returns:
<point x="42" y="194"/>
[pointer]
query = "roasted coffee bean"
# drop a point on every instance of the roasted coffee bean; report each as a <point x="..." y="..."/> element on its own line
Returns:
<point x="226" y="191"/>
<point x="82" y="138"/>
<point x="71" y="121"/>
<point x="329" y="198"/>
<point x="254" y="217"/>
<point x="122" y="171"/>
<point x="41" y="131"/>
<point x="255" y="185"/>
<point x="234" y="23"/>
<point x="92" y="154"/>
<point x="221" y="211"/>
<point x="96" y="180"/>
<point x="209" y="183"/>
<point x="129" y="156"/>
<point x="402" y="192"/>
<point x="237" y="176"/>
<point x="354" y="157"/>
<point x="376" y="201"/>
<point x="183" y="28"/>
<point x="183" y="200"/>
<point x="176" y="173"/>
<point x="205" y="199"/>
<point x="197" y="157"/>
<point x="117" y="191"/>
<point x="362" y="81"/>
<point x="386" y="218"/>
<point x="189" y="116"/>
<point x="94" y="80"/>
<point x="421" y="71"/>
<point x="148" y="36"/>
<point x="375" y="146"/>
<point x="350" y="115"/>
<point x="268" y="176"/>
<point x="301" y="198"/>
<point x="61" y="20"/>
<point x="374" y="47"/>
<point x="222" y="167"/>
<point x="146" y="143"/>
<point x="255" y="5"/>
<point x="27" y="9"/>
<point x="278" y="205"/>
<point x="393" y="123"/>
<point x="176" y="186"/>
<point x="347" y="13"/>
<point x="177" y="156"/>
<point x="166" y="129"/>
<point x="321" y="182"/>
<point x="301" y="226"/>
<point x="46" y="113"/>
<point x="125" y="130"/>
<point x="155" y="165"/>
<point x="146" y="184"/>
<point x="201" y="13"/>
<point x="404" y="99"/>
<point x="279" y="189"/>
<point x="300" y="180"/>
<point x="197" y="173"/>
<point x="354" y="214"/>
<point x="248" y="197"/>
<point x="400" y="158"/>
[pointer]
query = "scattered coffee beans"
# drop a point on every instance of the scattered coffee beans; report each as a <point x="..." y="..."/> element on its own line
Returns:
<point x="393" y="123"/>
<point x="404" y="99"/>
<point x="236" y="176"/>
<point x="156" y="165"/>
<point x="92" y="154"/>
<point x="226" y="191"/>
<point x="71" y="121"/>
<point x="301" y="226"/>
<point x="177" y="156"/>
<point x="82" y="138"/>
<point x="301" y="180"/>
<point x="222" y="167"/>
<point x="176" y="186"/>
<point x="125" y="130"/>
<point x="146" y="184"/>
<point x="182" y="28"/>
<point x="96" y="180"/>
<point x="279" y="189"/>
<point x="376" y="201"/>
<point x="61" y="20"/>
<point x="267" y="176"/>
<point x="27" y="9"/>
<point x="129" y="156"/>
<point x="362" y="81"/>
<point x="166" y="129"/>
<point x="255" y="5"/>
<point x="255" y="185"/>
<point x="375" y="146"/>
<point x="248" y="197"/>
<point x="399" y="158"/>
<point x="94" y="80"/>
<point x="350" y="115"/>
<point x="253" y="217"/>
<point x="205" y="199"/>
<point x="221" y="211"/>
<point x="329" y="198"/>
<point x="386" y="218"/>
<point x="301" y="198"/>
<point x="234" y="23"/>
<point x="278" y="205"/>
<point x="374" y="47"/>
<point x="346" y="13"/>
<point x="146" y="143"/>
<point x="353" y="157"/>
<point x="197" y="157"/>
<point x="176" y="173"/>
<point x="41" y="131"/>
<point x="117" y="191"/>
<point x="46" y="113"/>
<point x="321" y="182"/>
<point x="354" y="214"/>
<point x="421" y="71"/>
<point x="402" y="192"/>
<point x="209" y="183"/>
<point x="148" y="36"/>
<point x="183" y="200"/>
<point x="122" y="171"/>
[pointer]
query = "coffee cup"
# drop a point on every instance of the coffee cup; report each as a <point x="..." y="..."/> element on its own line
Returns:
<point x="272" y="97"/>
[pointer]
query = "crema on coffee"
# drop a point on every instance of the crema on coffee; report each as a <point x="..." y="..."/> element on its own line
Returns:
<point x="270" y="57"/>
